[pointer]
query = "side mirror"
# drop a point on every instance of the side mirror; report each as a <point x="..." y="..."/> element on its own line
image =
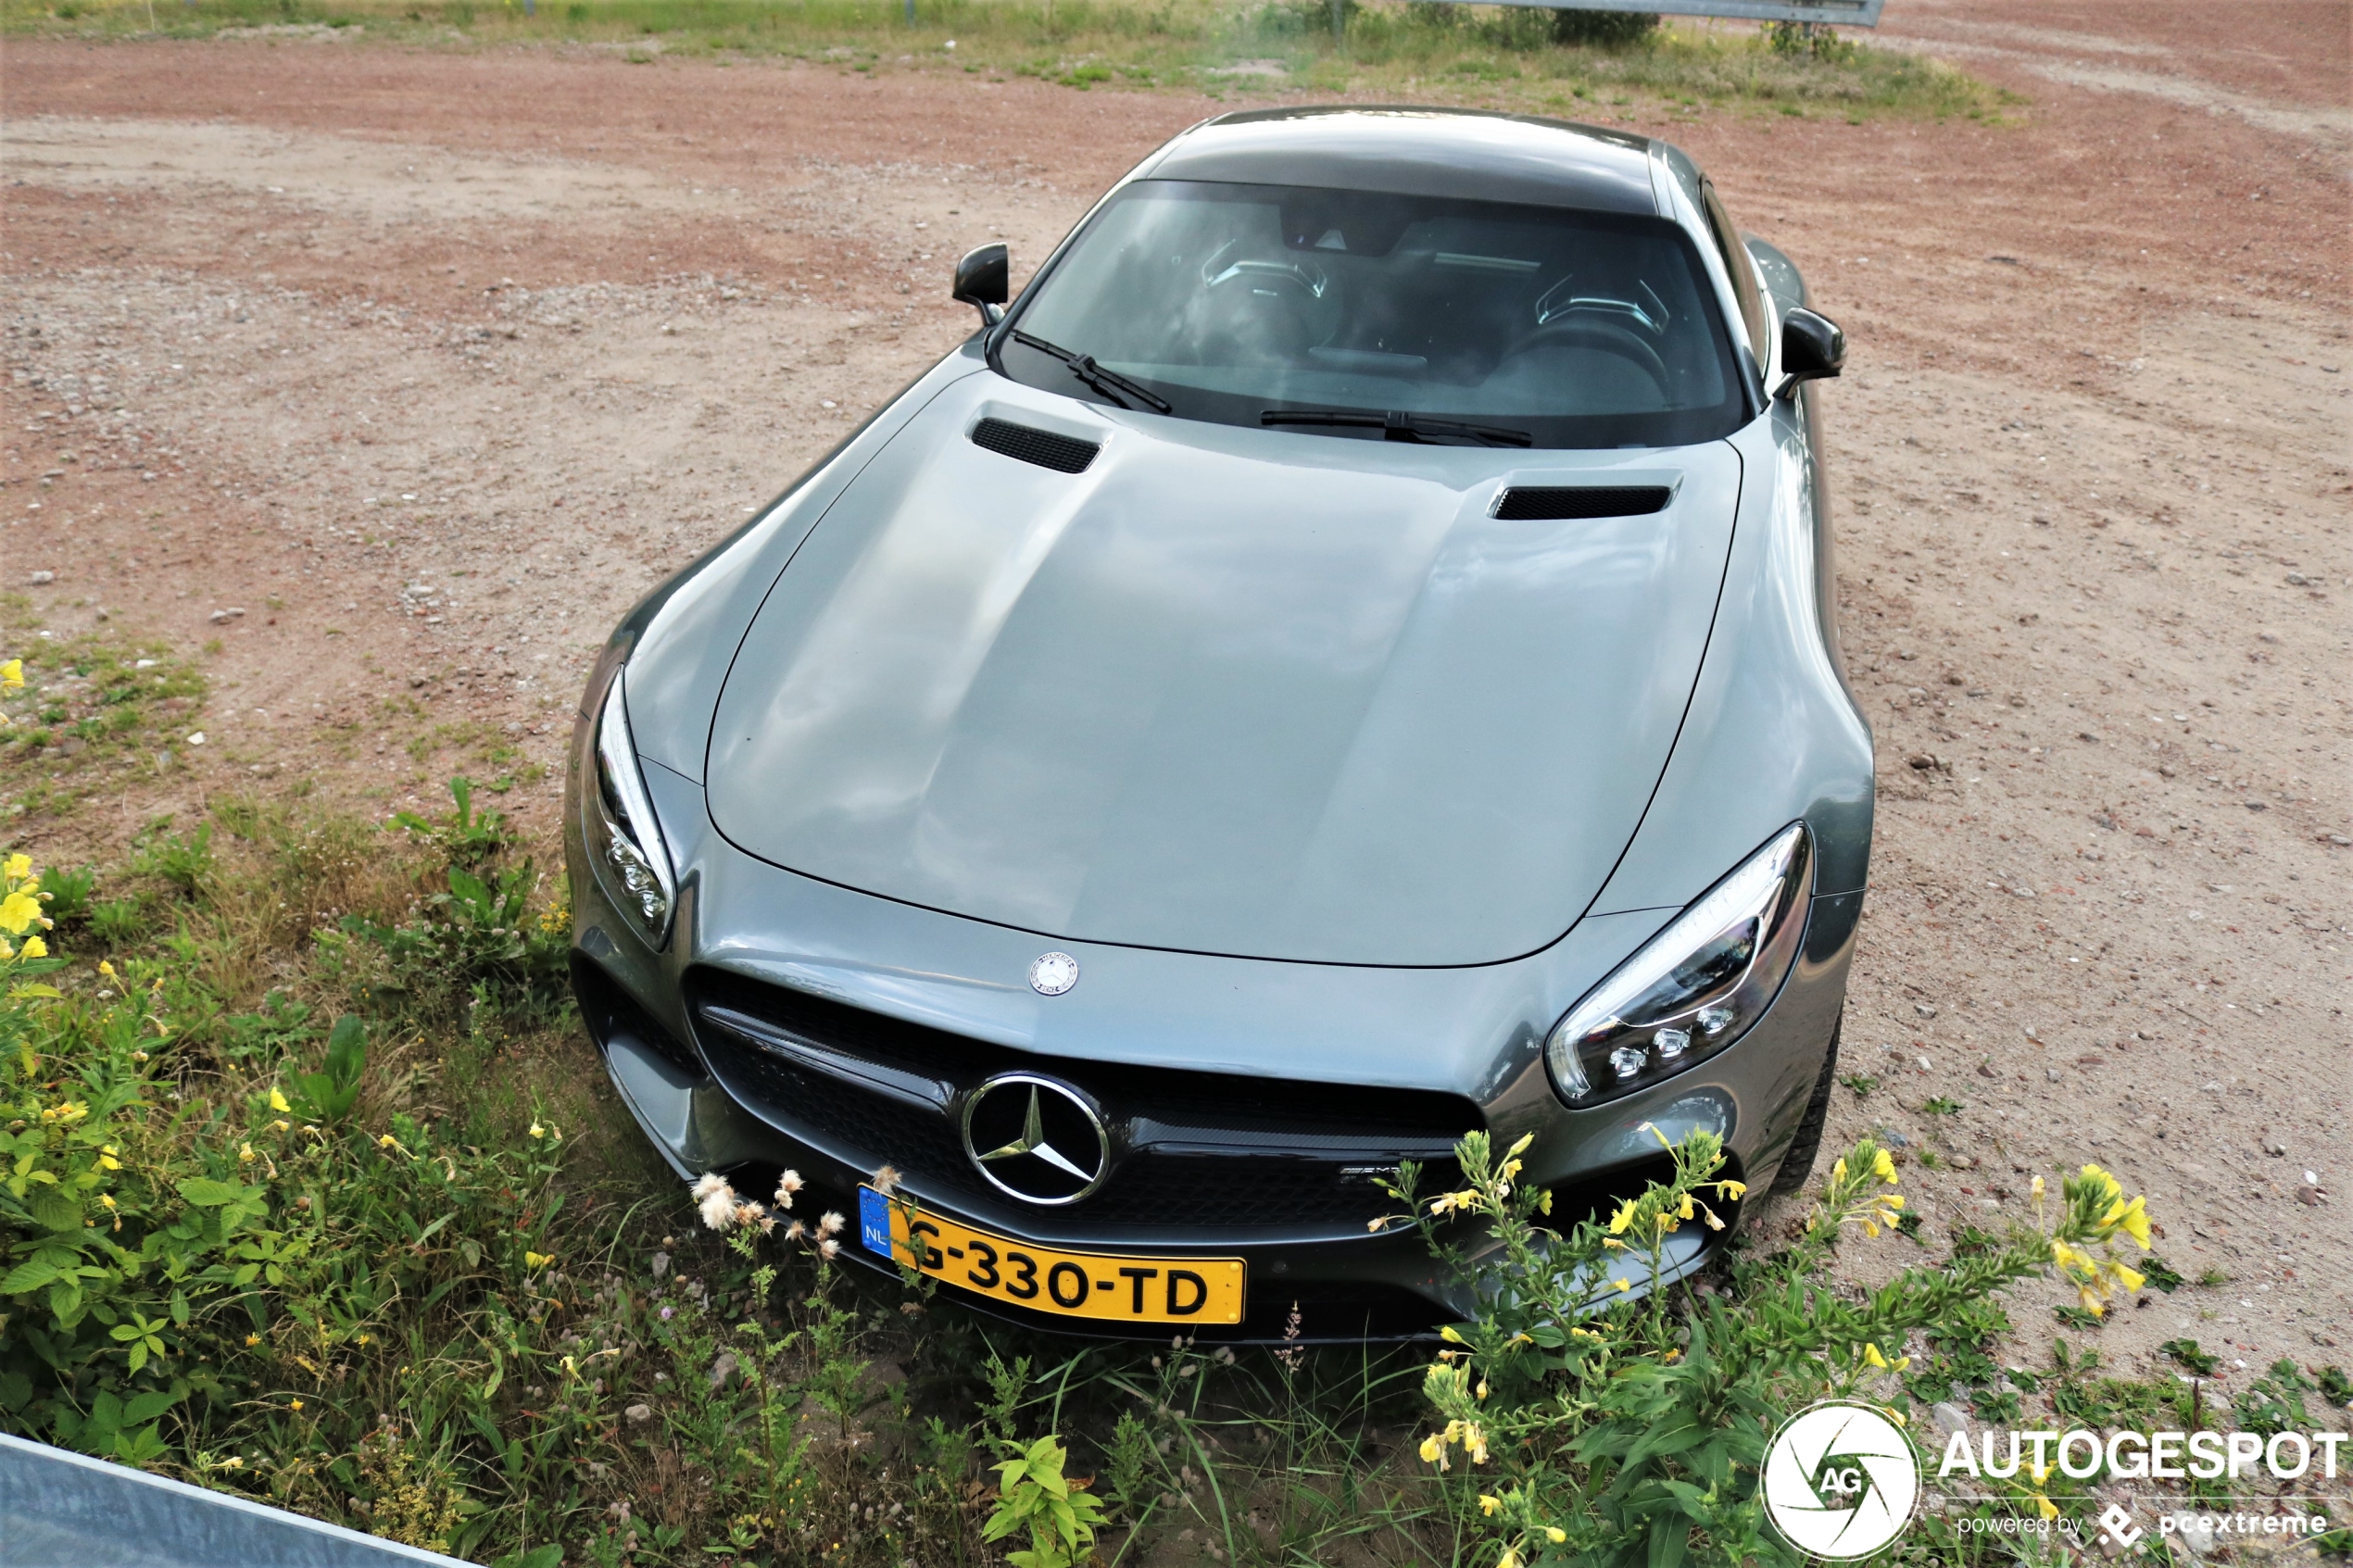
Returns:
<point x="983" y="279"/>
<point x="1812" y="350"/>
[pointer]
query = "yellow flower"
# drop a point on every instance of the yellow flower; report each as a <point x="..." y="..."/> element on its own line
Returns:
<point x="1733" y="1190"/>
<point x="537" y="1131"/>
<point x="2131" y="1217"/>
<point x="387" y="1141"/>
<point x="106" y="968"/>
<point x="252" y="1339"/>
<point x="537" y="1260"/>
<point x="12" y="677"/>
<point x="2094" y="1173"/>
<point x="2044" y="1507"/>
<point x="1448" y="1334"/>
<point x="1683" y="1210"/>
<point x="1554" y="1533"/>
<point x="2127" y="1276"/>
<point x="1510" y="1558"/>
<point x="18" y="911"/>
<point x="107" y="1161"/>
<point x="1487" y="1505"/>
<point x="298" y="1404"/>
<point x="34" y="949"/>
<point x="1902" y="1361"/>
<point x="278" y="1101"/>
<point x="245" y="1155"/>
<point x="1621" y="1285"/>
<point x="1872" y="1355"/>
<point x="106" y="1198"/>
<point x="2035" y="1190"/>
<point x="1838" y="1171"/>
<point x="1883" y="1166"/>
<point x="1624" y="1217"/>
<point x="1433" y="1448"/>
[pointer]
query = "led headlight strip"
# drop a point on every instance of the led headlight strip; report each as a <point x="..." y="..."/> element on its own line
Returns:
<point x="1695" y="987"/>
<point x="631" y="850"/>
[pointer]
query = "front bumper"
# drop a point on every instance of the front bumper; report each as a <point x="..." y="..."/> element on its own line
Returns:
<point x="1325" y="1074"/>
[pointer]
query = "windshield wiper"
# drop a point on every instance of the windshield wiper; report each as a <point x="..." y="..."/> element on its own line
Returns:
<point x="1111" y="383"/>
<point x="1398" y="426"/>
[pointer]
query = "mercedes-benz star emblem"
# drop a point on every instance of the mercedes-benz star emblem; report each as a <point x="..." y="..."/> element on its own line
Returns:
<point x="1036" y="1139"/>
<point x="1053" y="973"/>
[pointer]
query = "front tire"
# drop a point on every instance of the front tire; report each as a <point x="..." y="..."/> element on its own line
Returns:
<point x="1798" y="1164"/>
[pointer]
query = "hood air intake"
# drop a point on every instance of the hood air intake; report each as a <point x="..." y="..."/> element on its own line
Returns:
<point x="1024" y="444"/>
<point x="1551" y="503"/>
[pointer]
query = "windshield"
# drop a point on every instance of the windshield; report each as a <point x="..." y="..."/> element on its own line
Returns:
<point x="1245" y="304"/>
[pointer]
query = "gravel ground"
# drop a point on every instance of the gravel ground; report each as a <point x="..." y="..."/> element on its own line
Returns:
<point x="431" y="363"/>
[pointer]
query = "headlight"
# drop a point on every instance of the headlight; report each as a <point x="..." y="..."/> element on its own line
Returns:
<point x="1693" y="988"/>
<point x="622" y="832"/>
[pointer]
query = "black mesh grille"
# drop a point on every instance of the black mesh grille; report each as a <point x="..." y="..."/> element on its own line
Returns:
<point x="1549" y="503"/>
<point x="609" y="1010"/>
<point x="1061" y="453"/>
<point x="1200" y="1150"/>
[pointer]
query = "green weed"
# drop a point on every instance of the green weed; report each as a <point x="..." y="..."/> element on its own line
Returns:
<point x="83" y="714"/>
<point x="1509" y="56"/>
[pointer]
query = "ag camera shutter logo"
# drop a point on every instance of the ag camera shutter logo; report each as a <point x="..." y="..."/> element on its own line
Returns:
<point x="1840" y="1480"/>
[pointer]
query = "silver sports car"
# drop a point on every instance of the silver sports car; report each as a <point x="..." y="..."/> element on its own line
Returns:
<point x="1111" y="795"/>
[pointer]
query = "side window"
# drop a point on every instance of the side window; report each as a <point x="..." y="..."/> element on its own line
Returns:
<point x="1743" y="275"/>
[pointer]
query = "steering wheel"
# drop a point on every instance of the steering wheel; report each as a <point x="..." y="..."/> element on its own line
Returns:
<point x="1578" y="329"/>
<point x="1275" y="301"/>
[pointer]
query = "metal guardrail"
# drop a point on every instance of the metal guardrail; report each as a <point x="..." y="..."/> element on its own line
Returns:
<point x="60" y="1510"/>
<point x="1825" y="13"/>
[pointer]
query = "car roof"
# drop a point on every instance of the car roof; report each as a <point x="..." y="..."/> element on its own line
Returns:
<point x="1418" y="151"/>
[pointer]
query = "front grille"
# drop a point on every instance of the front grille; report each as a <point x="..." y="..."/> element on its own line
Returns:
<point x="1198" y="1150"/>
<point x="1543" y="503"/>
<point x="609" y="1010"/>
<point x="1028" y="443"/>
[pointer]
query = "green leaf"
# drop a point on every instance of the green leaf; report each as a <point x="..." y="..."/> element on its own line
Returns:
<point x="29" y="1277"/>
<point x="205" y="1193"/>
<point x="151" y="1404"/>
<point x="347" y="1051"/>
<point x="1669" y="1534"/>
<point x="56" y="1209"/>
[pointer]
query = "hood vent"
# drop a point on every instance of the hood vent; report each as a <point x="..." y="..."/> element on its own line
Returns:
<point x="1551" y="503"/>
<point x="1025" y="444"/>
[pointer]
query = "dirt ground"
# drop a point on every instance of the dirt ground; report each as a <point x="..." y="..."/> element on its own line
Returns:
<point x="431" y="363"/>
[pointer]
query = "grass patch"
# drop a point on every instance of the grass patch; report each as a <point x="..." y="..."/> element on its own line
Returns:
<point x="92" y="712"/>
<point x="1408" y="49"/>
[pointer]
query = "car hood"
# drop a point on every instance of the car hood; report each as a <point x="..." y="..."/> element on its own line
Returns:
<point x="1228" y="691"/>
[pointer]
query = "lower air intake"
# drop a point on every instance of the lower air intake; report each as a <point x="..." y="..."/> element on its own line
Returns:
<point x="1549" y="503"/>
<point x="1024" y="443"/>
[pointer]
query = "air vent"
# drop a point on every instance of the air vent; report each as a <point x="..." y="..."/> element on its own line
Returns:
<point x="1061" y="453"/>
<point x="1547" y="503"/>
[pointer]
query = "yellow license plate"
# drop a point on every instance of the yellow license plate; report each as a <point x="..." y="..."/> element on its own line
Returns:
<point x="1047" y="1279"/>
